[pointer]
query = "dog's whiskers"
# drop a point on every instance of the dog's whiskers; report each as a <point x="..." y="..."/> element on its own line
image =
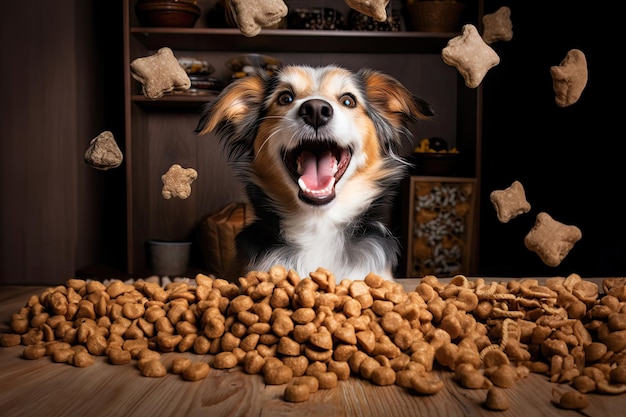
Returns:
<point x="267" y="139"/>
<point x="274" y="133"/>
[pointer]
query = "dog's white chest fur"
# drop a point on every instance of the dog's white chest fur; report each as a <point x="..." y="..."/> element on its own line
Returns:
<point x="319" y="240"/>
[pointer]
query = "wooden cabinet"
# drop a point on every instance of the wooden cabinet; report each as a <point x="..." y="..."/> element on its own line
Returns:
<point x="159" y="133"/>
<point x="439" y="225"/>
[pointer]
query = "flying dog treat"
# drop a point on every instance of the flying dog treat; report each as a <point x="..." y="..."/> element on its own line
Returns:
<point x="498" y="26"/>
<point x="103" y="152"/>
<point x="253" y="15"/>
<point x="160" y="73"/>
<point x="177" y="182"/>
<point x="569" y="78"/>
<point x="470" y="55"/>
<point x="510" y="202"/>
<point x="376" y="9"/>
<point x="551" y="240"/>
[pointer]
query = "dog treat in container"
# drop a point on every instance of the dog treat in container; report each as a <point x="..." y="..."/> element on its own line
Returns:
<point x="199" y="72"/>
<point x="359" y="21"/>
<point x="244" y="65"/>
<point x="320" y="18"/>
<point x="195" y="65"/>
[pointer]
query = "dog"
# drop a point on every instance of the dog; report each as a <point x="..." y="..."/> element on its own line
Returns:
<point x="317" y="152"/>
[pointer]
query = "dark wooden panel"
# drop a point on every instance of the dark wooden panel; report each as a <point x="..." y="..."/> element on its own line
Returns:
<point x="38" y="164"/>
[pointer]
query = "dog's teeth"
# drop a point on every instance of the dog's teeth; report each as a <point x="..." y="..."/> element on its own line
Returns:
<point x="320" y="192"/>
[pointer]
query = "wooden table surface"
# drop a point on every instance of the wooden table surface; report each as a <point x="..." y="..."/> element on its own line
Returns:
<point x="44" y="388"/>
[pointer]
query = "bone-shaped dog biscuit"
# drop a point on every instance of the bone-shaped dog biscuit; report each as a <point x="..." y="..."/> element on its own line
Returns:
<point x="471" y="56"/>
<point x="160" y="73"/>
<point x="510" y="202"/>
<point x="551" y="240"/>
<point x="253" y="15"/>
<point x="498" y="26"/>
<point x="569" y="78"/>
<point x="376" y="9"/>
<point x="177" y="182"/>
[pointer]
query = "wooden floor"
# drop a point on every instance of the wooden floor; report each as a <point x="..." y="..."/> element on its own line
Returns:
<point x="44" y="388"/>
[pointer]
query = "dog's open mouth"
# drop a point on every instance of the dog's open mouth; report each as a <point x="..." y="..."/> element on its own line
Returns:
<point x="317" y="167"/>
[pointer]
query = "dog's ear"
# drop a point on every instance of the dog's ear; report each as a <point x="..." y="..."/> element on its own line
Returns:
<point x="238" y="100"/>
<point x="392" y="99"/>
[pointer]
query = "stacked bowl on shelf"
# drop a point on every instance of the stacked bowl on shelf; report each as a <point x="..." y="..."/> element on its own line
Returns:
<point x="167" y="13"/>
<point x="199" y="72"/>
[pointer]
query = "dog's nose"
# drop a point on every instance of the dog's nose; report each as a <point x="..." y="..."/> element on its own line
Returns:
<point x="316" y="112"/>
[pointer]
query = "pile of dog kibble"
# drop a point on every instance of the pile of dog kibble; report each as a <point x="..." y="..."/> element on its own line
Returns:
<point x="309" y="333"/>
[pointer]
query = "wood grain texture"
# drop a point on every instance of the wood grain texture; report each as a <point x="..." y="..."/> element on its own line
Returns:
<point x="42" y="387"/>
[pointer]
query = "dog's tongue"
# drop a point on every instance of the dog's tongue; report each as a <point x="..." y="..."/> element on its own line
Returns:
<point x="317" y="171"/>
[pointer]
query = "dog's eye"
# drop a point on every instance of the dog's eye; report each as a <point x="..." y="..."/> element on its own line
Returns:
<point x="285" y="98"/>
<point x="348" y="100"/>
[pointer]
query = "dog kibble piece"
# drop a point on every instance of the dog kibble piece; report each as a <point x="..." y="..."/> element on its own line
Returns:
<point x="103" y="152"/>
<point x="510" y="202"/>
<point x="179" y="365"/>
<point x="225" y="360"/>
<point x="10" y="339"/>
<point x="551" y="240"/>
<point x="148" y="353"/>
<point x="288" y="346"/>
<point x="569" y="78"/>
<point x="340" y="368"/>
<point x="296" y="393"/>
<point x="160" y="74"/>
<point x="253" y="362"/>
<point x="497" y="399"/>
<point x="310" y="381"/>
<point x="298" y="364"/>
<point x="470" y="55"/>
<point x="117" y="356"/>
<point x="177" y="182"/>
<point x="569" y="400"/>
<point x="63" y="355"/>
<point x="37" y="351"/>
<point x="196" y="371"/>
<point x="383" y="376"/>
<point x="277" y="374"/>
<point x="498" y="26"/>
<point x="153" y="368"/>
<point x="316" y="368"/>
<point x="82" y="359"/>
<point x="327" y="380"/>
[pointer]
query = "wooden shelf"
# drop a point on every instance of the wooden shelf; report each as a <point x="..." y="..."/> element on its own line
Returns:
<point x="290" y="40"/>
<point x="173" y="101"/>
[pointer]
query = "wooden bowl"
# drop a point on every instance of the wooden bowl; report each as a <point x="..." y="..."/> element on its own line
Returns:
<point x="159" y="13"/>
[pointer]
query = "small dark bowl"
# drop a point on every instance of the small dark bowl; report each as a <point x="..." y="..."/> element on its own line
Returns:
<point x="435" y="163"/>
<point x="180" y="14"/>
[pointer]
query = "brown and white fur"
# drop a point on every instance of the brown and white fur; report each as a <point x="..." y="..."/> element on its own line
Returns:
<point x="345" y="130"/>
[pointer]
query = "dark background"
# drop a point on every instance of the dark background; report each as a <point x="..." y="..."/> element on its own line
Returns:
<point x="568" y="159"/>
